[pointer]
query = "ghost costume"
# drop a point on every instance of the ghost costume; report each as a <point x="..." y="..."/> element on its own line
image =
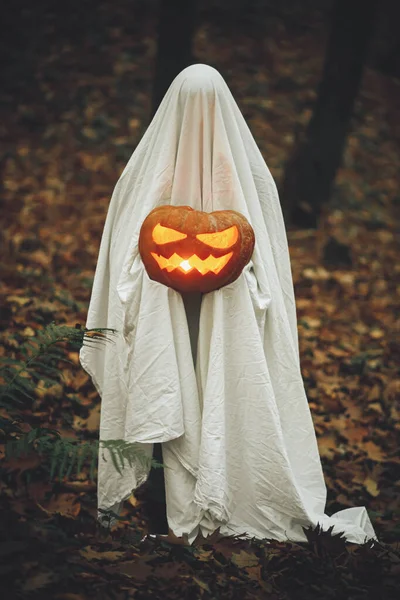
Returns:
<point x="238" y="441"/>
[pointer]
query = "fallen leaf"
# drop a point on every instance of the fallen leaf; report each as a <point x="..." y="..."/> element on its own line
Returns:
<point x="371" y="486"/>
<point x="202" y="584"/>
<point x="109" y="555"/>
<point x="373" y="451"/>
<point x="38" y="581"/>
<point x="376" y="407"/>
<point x="63" y="504"/>
<point x="245" y="559"/>
<point x="137" y="569"/>
<point x="29" y="332"/>
<point x="25" y="462"/>
<point x="377" y="334"/>
<point x="327" y="445"/>
<point x="93" y="420"/>
<point x="20" y="300"/>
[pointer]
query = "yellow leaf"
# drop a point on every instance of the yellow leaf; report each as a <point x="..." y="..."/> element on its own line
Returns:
<point x="205" y="556"/>
<point x="19" y="300"/>
<point x="89" y="133"/>
<point x="374" y="451"/>
<point x="312" y="322"/>
<point x="327" y="445"/>
<point x="133" y="501"/>
<point x="134" y="123"/>
<point x="360" y="328"/>
<point x="374" y="393"/>
<point x="93" y="421"/>
<point x="41" y="258"/>
<point x="371" y="487"/>
<point x="376" y="334"/>
<point x="338" y="351"/>
<point x="120" y="141"/>
<point x="344" y="278"/>
<point x="385" y="236"/>
<point x="202" y="584"/>
<point x="245" y="559"/>
<point x="29" y="332"/>
<point x="73" y="357"/>
<point x="376" y="407"/>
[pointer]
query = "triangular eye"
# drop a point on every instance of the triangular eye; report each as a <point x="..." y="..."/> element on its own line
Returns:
<point x="220" y="239"/>
<point x="165" y="235"/>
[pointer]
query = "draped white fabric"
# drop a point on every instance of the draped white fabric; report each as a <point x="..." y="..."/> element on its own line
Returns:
<point x="238" y="440"/>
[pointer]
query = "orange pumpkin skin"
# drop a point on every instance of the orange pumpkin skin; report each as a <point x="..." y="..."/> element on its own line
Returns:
<point x="194" y="251"/>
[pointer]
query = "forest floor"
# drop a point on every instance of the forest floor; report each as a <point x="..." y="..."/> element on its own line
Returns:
<point x="75" y="104"/>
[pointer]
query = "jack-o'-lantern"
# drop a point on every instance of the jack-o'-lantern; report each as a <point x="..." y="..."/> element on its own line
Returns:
<point x="190" y="250"/>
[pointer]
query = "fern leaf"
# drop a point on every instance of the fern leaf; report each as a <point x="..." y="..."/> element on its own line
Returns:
<point x="72" y="459"/>
<point x="93" y="463"/>
<point x="63" y="462"/>
<point x="58" y="447"/>
<point x="82" y="453"/>
<point x="114" y="456"/>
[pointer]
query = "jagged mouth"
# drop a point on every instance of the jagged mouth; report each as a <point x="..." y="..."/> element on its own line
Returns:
<point x="211" y="264"/>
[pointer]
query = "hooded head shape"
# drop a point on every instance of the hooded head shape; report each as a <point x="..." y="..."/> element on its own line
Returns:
<point x="237" y="434"/>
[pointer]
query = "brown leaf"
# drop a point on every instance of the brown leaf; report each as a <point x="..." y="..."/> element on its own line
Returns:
<point x="354" y="433"/>
<point x="169" y="570"/>
<point x="63" y="504"/>
<point x="371" y="486"/>
<point x="38" y="581"/>
<point x="376" y="408"/>
<point x="373" y="451"/>
<point x="245" y="559"/>
<point x="204" y="555"/>
<point x="312" y="322"/>
<point x="202" y="584"/>
<point x="23" y="463"/>
<point x="339" y="352"/>
<point x="41" y="258"/>
<point x="79" y="486"/>
<point x="93" y="420"/>
<point x="20" y="300"/>
<point x="109" y="555"/>
<point x="327" y="445"/>
<point x="374" y="393"/>
<point x="137" y="569"/>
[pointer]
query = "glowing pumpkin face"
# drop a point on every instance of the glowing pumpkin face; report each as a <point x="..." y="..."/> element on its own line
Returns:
<point x="190" y="250"/>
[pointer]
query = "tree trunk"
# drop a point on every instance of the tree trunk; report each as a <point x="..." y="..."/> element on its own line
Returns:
<point x="311" y="170"/>
<point x="174" y="50"/>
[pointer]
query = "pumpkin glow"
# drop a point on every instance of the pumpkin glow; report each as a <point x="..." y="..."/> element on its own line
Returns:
<point x="191" y="250"/>
<point x="194" y="262"/>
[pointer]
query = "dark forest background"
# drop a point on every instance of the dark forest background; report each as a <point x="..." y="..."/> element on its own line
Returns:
<point x="318" y="82"/>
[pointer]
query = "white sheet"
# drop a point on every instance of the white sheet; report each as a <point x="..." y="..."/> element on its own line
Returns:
<point x="238" y="439"/>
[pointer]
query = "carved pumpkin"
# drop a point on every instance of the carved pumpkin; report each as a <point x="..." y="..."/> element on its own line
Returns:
<point x="189" y="250"/>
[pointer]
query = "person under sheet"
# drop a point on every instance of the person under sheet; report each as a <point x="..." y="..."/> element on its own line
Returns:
<point x="238" y="441"/>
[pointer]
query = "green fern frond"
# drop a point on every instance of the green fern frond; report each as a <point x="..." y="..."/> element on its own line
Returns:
<point x="40" y="362"/>
<point x="65" y="454"/>
<point x="41" y="358"/>
<point x="58" y="452"/>
<point x="127" y="452"/>
<point x="9" y="361"/>
<point x="72" y="460"/>
<point x="10" y="400"/>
